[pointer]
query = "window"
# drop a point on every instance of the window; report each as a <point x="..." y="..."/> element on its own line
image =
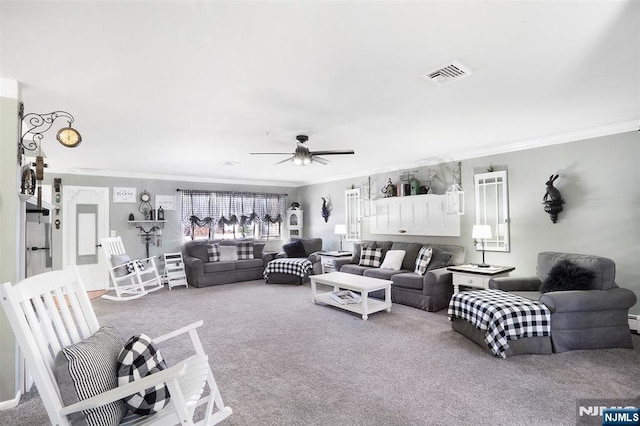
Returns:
<point x="232" y="215"/>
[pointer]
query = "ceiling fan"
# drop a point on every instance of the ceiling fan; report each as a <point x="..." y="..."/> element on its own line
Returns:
<point x="302" y="156"/>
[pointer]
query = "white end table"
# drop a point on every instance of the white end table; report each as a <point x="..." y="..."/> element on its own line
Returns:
<point x="327" y="258"/>
<point x="476" y="276"/>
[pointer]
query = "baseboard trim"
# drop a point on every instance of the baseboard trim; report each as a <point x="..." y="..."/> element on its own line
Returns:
<point x="11" y="403"/>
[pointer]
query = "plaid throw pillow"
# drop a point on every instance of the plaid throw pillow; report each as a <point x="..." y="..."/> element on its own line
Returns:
<point x="423" y="259"/>
<point x="370" y="257"/>
<point x="131" y="268"/>
<point x="138" y="359"/>
<point x="245" y="250"/>
<point x="214" y="252"/>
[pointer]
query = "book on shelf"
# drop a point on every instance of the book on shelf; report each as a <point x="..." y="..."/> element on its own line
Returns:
<point x="345" y="297"/>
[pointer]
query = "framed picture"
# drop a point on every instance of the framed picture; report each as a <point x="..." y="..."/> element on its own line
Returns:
<point x="168" y="202"/>
<point x="124" y="195"/>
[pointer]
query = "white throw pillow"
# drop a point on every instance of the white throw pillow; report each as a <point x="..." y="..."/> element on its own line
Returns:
<point x="228" y="253"/>
<point x="393" y="260"/>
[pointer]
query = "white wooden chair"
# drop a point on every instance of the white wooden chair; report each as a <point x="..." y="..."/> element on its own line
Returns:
<point x="174" y="270"/>
<point x="52" y="310"/>
<point x="128" y="285"/>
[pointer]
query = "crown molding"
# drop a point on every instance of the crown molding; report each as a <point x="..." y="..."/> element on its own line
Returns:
<point x="627" y="126"/>
<point x="595" y="132"/>
<point x="157" y="176"/>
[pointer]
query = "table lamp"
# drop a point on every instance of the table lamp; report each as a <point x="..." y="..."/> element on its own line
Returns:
<point x="482" y="233"/>
<point x="340" y="230"/>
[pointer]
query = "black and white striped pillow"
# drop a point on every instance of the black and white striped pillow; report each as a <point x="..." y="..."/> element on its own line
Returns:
<point x="214" y="252"/>
<point x="245" y="250"/>
<point x="423" y="259"/>
<point x="138" y="359"/>
<point x="88" y="368"/>
<point x="371" y="257"/>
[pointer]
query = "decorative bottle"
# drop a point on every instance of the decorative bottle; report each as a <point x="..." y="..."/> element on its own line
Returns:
<point x="160" y="213"/>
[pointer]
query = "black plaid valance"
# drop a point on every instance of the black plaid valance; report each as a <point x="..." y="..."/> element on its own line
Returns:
<point x="211" y="208"/>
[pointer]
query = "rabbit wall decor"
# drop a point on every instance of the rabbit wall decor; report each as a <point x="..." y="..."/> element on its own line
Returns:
<point x="552" y="199"/>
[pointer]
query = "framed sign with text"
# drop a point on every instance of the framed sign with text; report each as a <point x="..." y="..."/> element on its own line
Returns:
<point x="124" y="195"/>
<point x="168" y="202"/>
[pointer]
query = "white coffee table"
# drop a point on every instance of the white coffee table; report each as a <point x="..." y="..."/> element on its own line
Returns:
<point x="357" y="283"/>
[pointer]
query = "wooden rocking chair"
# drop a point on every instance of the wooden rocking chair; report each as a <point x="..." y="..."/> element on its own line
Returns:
<point x="129" y="279"/>
<point x="50" y="311"/>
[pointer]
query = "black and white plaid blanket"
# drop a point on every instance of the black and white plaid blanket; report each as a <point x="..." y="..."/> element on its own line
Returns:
<point x="286" y="265"/>
<point x="504" y="316"/>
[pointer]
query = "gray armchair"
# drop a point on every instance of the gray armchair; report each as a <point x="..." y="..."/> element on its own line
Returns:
<point x="580" y="319"/>
<point x="299" y="248"/>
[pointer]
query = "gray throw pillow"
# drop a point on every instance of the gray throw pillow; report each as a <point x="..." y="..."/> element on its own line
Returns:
<point x="120" y="260"/>
<point x="89" y="368"/>
<point x="199" y="251"/>
<point x="439" y="258"/>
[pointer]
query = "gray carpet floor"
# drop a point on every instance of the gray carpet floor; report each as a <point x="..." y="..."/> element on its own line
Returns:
<point x="279" y="359"/>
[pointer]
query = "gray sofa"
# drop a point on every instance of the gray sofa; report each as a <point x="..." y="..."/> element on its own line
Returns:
<point x="430" y="292"/>
<point x="580" y="319"/>
<point x="202" y="273"/>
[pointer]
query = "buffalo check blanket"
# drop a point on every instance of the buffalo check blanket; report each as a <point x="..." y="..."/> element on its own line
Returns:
<point x="502" y="315"/>
<point x="291" y="266"/>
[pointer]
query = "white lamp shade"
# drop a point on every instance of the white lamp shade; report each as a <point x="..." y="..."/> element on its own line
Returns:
<point x="340" y="230"/>
<point x="481" y="232"/>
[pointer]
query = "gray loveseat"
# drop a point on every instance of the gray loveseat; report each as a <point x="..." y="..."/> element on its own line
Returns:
<point x="203" y="273"/>
<point x="580" y="319"/>
<point x="430" y="292"/>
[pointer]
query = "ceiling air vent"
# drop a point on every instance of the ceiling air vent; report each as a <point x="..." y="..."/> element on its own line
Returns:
<point x="448" y="73"/>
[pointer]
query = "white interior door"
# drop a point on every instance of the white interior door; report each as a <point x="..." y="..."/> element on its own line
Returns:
<point x="85" y="222"/>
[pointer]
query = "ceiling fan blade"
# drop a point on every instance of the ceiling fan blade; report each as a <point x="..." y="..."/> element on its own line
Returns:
<point x="270" y="153"/>
<point x="284" y="161"/>
<point x="320" y="160"/>
<point x="335" y="152"/>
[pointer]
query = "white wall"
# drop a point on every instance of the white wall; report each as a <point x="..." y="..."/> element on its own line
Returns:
<point x="9" y="219"/>
<point x="119" y="212"/>
<point x="599" y="181"/>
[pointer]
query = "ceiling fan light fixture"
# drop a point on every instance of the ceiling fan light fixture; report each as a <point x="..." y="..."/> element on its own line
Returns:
<point x="306" y="161"/>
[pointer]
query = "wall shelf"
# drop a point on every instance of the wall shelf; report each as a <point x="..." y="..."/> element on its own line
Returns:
<point x="143" y="223"/>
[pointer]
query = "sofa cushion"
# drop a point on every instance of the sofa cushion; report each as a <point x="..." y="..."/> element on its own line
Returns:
<point x="198" y="249"/>
<point x="350" y="268"/>
<point x="566" y="275"/>
<point x="245" y="250"/>
<point x="384" y="246"/>
<point x="393" y="260"/>
<point x="371" y="257"/>
<point x="249" y="263"/>
<point x="604" y="269"/>
<point x="383" y="274"/>
<point x="439" y="258"/>
<point x="411" y="250"/>
<point x="423" y="259"/>
<point x="220" y="266"/>
<point x="257" y="250"/>
<point x="214" y="252"/>
<point x="408" y="280"/>
<point x="310" y="245"/>
<point x="294" y="249"/>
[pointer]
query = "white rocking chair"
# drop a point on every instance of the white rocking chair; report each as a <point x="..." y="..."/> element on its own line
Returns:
<point x="52" y="310"/>
<point x="129" y="280"/>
